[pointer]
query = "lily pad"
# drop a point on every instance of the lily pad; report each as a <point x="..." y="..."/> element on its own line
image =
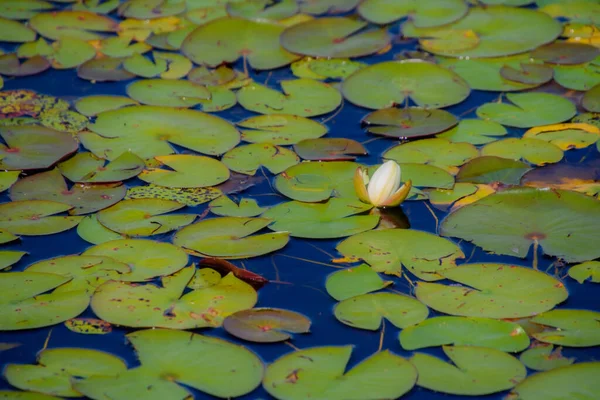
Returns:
<point x="15" y="32"/>
<point x="574" y="328"/>
<point x="334" y="37"/>
<point x="167" y="306"/>
<point x="148" y="131"/>
<point x="93" y="105"/>
<point x="543" y="357"/>
<point x="35" y="217"/>
<point x="463" y="331"/>
<point x="476" y="371"/>
<point x="280" y="129"/>
<point x="528" y="110"/>
<point x="81" y="25"/>
<point x="92" y="231"/>
<point x="121" y="47"/>
<point x="56" y="368"/>
<point x="144" y="67"/>
<point x="409" y="123"/>
<point x="493" y="291"/>
<point x="33" y="147"/>
<point x="70" y="52"/>
<point x="148" y="9"/>
<point x="88" y="326"/>
<point x="301" y="97"/>
<point x="85" y="167"/>
<point x="437" y="152"/>
<point x="422" y="253"/>
<point x="490" y="169"/>
<point x="388" y="83"/>
<point x="350" y="282"/>
<point x="442" y="199"/>
<point x="146" y="258"/>
<point x="319" y="373"/>
<point x="318" y="7"/>
<point x="566" y="53"/>
<point x="322" y="69"/>
<point x="168" y="93"/>
<point x="10" y="65"/>
<point x="186" y="170"/>
<point x="23" y="9"/>
<point x="329" y="149"/>
<point x="143" y="217"/>
<point x="530" y="74"/>
<point x="9" y="257"/>
<point x="229" y="237"/>
<point x="226" y="207"/>
<point x="423" y="14"/>
<point x="586" y="271"/>
<point x="474" y="131"/>
<point x="247" y="159"/>
<point x="366" y="311"/>
<point x="227" y="39"/>
<point x="7" y="179"/>
<point x="566" y="136"/>
<point x="105" y="69"/>
<point x="266" y="325"/>
<point x="534" y="151"/>
<point x="188" y="196"/>
<point x="24" y="306"/>
<point x="561" y="221"/>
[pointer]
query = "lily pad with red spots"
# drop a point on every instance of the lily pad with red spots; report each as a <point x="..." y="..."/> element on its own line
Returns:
<point x="266" y="325"/>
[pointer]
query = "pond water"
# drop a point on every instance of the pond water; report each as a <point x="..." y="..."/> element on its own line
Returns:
<point x="299" y="271"/>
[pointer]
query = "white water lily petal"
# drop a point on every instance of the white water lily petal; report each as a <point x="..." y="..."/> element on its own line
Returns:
<point x="384" y="183"/>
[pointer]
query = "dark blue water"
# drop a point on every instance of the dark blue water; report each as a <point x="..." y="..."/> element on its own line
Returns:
<point x="304" y="291"/>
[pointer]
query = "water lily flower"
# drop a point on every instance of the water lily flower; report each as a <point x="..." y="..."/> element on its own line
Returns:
<point x="383" y="189"/>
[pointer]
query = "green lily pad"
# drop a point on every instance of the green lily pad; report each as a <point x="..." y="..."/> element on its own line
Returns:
<point x="463" y="331"/>
<point x="302" y="97"/>
<point x="23" y="9"/>
<point x="7" y="178"/>
<point x="144" y="67"/>
<point x="104" y="69"/>
<point x="6" y="237"/>
<point x="35" y="217"/>
<point x="168" y="93"/>
<point x="222" y="76"/>
<point x="424" y="175"/>
<point x="566" y="53"/>
<point x="577" y="380"/>
<point x="534" y="151"/>
<point x="280" y="129"/>
<point x="529" y="74"/>
<point x="561" y="221"/>
<point x="490" y="169"/>
<point x="437" y="152"/>
<point x="318" y="7"/>
<point x="442" y="199"/>
<point x="82" y="198"/>
<point x="177" y="65"/>
<point x="148" y="9"/>
<point x="333" y="219"/>
<point x="423" y="14"/>
<point x="97" y="6"/>
<point x="586" y="271"/>
<point x="321" y="68"/>
<point x="388" y="83"/>
<point x="247" y="159"/>
<point x="10" y="65"/>
<point x="143" y="217"/>
<point x="574" y="328"/>
<point x="24" y="306"/>
<point x="15" y="32"/>
<point x="544" y="357"/>
<point x="266" y="325"/>
<point x="72" y="24"/>
<point x="329" y="149"/>
<point x="474" y="131"/>
<point x="227" y="39"/>
<point x="92" y="231"/>
<point x="9" y="257"/>
<point x="262" y="9"/>
<point x="566" y="136"/>
<point x="334" y="37"/>
<point x="229" y="237"/>
<point x="64" y="121"/>
<point x="495" y="31"/>
<point x="350" y="282"/>
<point x="366" y="311"/>
<point x="32" y="49"/>
<point x="33" y="147"/>
<point x="493" y="291"/>
<point x="408" y="123"/>
<point x="12" y="395"/>
<point x="146" y="258"/>
<point x="56" y="368"/>
<point x="422" y="253"/>
<point x="85" y="273"/>
<point x="69" y="52"/>
<point x="188" y="196"/>
<point x="121" y="46"/>
<point x="319" y="373"/>
<point x="317" y="181"/>
<point x="86" y="167"/>
<point x="148" y="130"/>
<point x="528" y="110"/>
<point x="476" y="371"/>
<point x="225" y="207"/>
<point x="169" y="357"/>
<point x="591" y="99"/>
<point x="184" y="171"/>
<point x="93" y="105"/>
<point x="583" y="11"/>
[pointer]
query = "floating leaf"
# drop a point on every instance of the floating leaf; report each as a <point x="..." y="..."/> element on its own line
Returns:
<point x="422" y="253"/>
<point x="591" y="99"/>
<point x="566" y="53"/>
<point x="280" y="129"/>
<point x="229" y="237"/>
<point x="321" y="68"/>
<point x="187" y="170"/>
<point x="23" y="9"/>
<point x="443" y="198"/>
<point x="8" y="258"/>
<point x="262" y="10"/>
<point x="226" y="207"/>
<point x="493" y="291"/>
<point x="105" y="69"/>
<point x="562" y="222"/>
<point x="301" y="97"/>
<point x="35" y="217"/>
<point x="149" y="9"/>
<point x="266" y="325"/>
<point x="141" y="66"/>
<point x="388" y="83"/>
<point x="409" y="123"/>
<point x="437" y="152"/>
<point x="222" y="76"/>
<point x="10" y="65"/>
<point x="476" y="371"/>
<point x="188" y="196"/>
<point x="324" y="149"/>
<point x="121" y="46"/>
<point x="247" y="159"/>
<point x="474" y="131"/>
<point x="88" y="326"/>
<point x="227" y="39"/>
<point x="146" y="258"/>
<point x="33" y="147"/>
<point x="543" y="358"/>
<point x="85" y="167"/>
<point x="177" y="65"/>
<point x="350" y="282"/>
<point x="423" y="14"/>
<point x="575" y="328"/>
<point x="318" y="7"/>
<point x="566" y="136"/>
<point x="72" y="24"/>
<point x="366" y="311"/>
<point x="96" y="6"/>
<point x="461" y="331"/>
<point x="23" y="306"/>
<point x="529" y="74"/>
<point x="490" y="169"/>
<point x="224" y="267"/>
<point x="15" y="32"/>
<point x="167" y="92"/>
<point x="83" y="198"/>
<point x="334" y="37"/>
<point x="587" y="270"/>
<point x="534" y="151"/>
<point x="528" y="110"/>
<point x="92" y="231"/>
<point x="319" y="373"/>
<point x="70" y="52"/>
<point x="148" y="130"/>
<point x="7" y="178"/>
